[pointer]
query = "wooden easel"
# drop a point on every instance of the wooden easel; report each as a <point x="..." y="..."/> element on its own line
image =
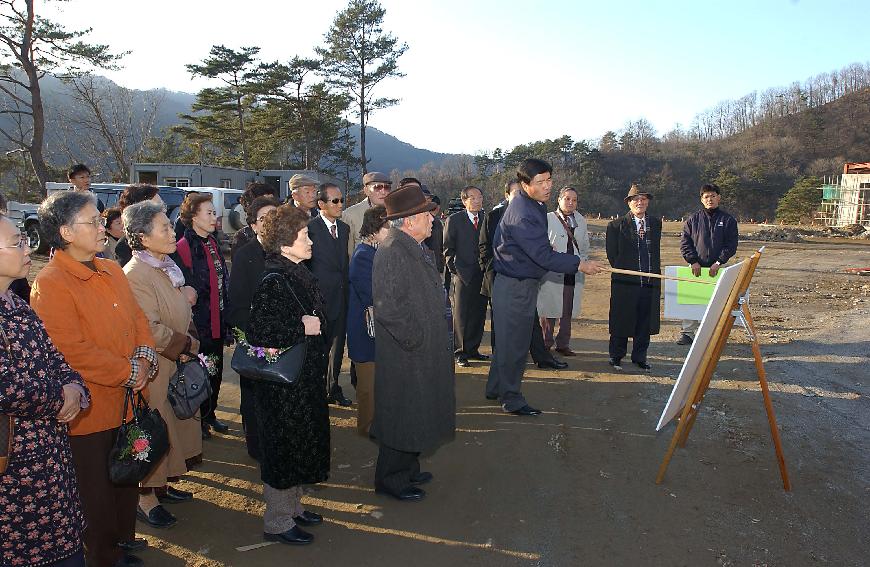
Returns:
<point x="736" y="308"/>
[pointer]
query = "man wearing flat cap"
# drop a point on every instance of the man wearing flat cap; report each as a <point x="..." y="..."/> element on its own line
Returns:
<point x="414" y="380"/>
<point x="303" y="191"/>
<point x="376" y="185"/>
<point x="634" y="243"/>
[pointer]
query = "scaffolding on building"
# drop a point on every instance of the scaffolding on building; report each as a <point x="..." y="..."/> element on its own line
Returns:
<point x="846" y="199"/>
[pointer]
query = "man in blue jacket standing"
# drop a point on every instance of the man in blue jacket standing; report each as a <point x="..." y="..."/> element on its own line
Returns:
<point x="709" y="240"/>
<point x="522" y="254"/>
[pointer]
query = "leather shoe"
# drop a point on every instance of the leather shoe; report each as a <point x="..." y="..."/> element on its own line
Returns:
<point x="554" y="364"/>
<point x="492" y="396"/>
<point x="336" y="396"/>
<point x="643" y="365"/>
<point x="463" y="362"/>
<point x="407" y="494"/>
<point x="422" y="478"/>
<point x="527" y="410"/>
<point x="684" y="339"/>
<point x="307" y="518"/>
<point x="136" y="544"/>
<point x="174" y="496"/>
<point x="128" y="560"/>
<point x="293" y="536"/>
<point x="217" y="424"/>
<point x="615" y="363"/>
<point x="566" y="351"/>
<point x="157" y="517"/>
<point x="478" y="356"/>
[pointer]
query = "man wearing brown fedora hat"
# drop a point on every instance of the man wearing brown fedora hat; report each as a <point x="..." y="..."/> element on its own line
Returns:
<point x="634" y="243"/>
<point x="414" y="380"/>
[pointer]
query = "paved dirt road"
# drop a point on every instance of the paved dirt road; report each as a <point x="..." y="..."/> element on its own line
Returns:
<point x="575" y="486"/>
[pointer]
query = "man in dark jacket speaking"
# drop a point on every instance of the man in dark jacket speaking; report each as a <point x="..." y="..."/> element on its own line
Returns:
<point x="414" y="377"/>
<point x="709" y="240"/>
<point x="522" y="254"/>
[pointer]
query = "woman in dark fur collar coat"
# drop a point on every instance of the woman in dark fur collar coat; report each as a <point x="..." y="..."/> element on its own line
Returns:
<point x="293" y="419"/>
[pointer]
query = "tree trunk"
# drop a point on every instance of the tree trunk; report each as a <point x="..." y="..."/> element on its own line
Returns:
<point x="37" y="160"/>
<point x="362" y="136"/>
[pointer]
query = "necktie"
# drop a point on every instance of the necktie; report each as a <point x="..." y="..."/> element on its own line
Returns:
<point x="333" y="231"/>
<point x="641" y="231"/>
<point x="475" y="222"/>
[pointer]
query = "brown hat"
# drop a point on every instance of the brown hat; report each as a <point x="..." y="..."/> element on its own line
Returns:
<point x="407" y="201"/>
<point x="300" y="180"/>
<point x="635" y="191"/>
<point x="375" y="177"/>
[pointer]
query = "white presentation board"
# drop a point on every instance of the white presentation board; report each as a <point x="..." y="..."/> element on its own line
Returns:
<point x="727" y="280"/>
<point x="673" y="308"/>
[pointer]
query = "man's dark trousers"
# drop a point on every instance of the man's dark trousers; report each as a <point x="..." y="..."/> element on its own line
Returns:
<point x="469" y="316"/>
<point x="537" y="349"/>
<point x="619" y="345"/>
<point x="395" y="469"/>
<point x="335" y="340"/>
<point x="514" y="304"/>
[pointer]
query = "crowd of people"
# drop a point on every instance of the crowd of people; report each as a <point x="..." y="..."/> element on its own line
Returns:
<point x="127" y="297"/>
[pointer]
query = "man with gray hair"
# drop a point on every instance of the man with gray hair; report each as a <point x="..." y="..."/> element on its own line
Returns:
<point x="414" y="376"/>
<point x="376" y="186"/>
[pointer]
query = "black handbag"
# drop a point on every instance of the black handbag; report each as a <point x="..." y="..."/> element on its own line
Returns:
<point x="140" y="443"/>
<point x="285" y="370"/>
<point x="189" y="387"/>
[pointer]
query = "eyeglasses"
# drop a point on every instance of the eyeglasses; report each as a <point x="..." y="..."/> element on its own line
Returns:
<point x="335" y="201"/>
<point x="380" y="187"/>
<point x="96" y="222"/>
<point x="23" y="242"/>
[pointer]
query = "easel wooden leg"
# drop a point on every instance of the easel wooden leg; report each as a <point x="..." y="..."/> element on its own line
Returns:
<point x="768" y="405"/>
<point x="678" y="435"/>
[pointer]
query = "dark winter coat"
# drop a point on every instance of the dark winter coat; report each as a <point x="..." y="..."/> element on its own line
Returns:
<point x="249" y="261"/>
<point x="487" y="234"/>
<point x="41" y="520"/>
<point x="414" y="381"/>
<point x="197" y="276"/>
<point x="622" y="252"/>
<point x="293" y="421"/>
<point x="240" y="238"/>
<point x="708" y="239"/>
<point x="435" y="243"/>
<point x="360" y="346"/>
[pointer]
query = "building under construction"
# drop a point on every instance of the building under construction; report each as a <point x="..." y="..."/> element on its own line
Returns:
<point x="846" y="199"/>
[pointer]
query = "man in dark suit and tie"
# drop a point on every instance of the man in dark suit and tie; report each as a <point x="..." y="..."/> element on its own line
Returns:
<point x="329" y="264"/>
<point x="461" y="252"/>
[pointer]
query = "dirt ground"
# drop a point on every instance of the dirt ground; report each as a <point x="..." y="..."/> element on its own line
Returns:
<point x="576" y="486"/>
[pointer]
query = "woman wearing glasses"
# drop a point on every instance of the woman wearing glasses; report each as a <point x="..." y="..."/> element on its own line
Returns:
<point x="248" y="264"/>
<point x="93" y="319"/>
<point x="39" y="395"/>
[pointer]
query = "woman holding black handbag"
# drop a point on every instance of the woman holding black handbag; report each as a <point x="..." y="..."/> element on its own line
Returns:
<point x="156" y="282"/>
<point x="293" y="418"/>
<point x="94" y="321"/>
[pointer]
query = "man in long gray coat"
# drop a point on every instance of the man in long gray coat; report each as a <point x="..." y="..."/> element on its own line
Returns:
<point x="415" y="401"/>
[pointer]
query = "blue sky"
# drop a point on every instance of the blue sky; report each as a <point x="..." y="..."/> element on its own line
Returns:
<point x="486" y="74"/>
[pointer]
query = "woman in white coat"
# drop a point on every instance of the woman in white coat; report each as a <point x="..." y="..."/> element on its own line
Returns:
<point x="560" y="295"/>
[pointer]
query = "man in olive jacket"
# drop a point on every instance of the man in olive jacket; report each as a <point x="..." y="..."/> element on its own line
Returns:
<point x="414" y="380"/>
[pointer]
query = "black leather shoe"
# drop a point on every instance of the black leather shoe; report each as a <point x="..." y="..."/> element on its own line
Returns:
<point x="408" y="494"/>
<point x="206" y="431"/>
<point x="307" y="518"/>
<point x="554" y="364"/>
<point x="157" y="517"/>
<point x="174" y="496"/>
<point x="137" y="544"/>
<point x="463" y="362"/>
<point x="293" y="536"/>
<point x="478" y="356"/>
<point x="217" y="425"/>
<point x="643" y="365"/>
<point x="129" y="561"/>
<point x="684" y="340"/>
<point x="492" y="396"/>
<point x="615" y="363"/>
<point x="336" y="396"/>
<point x="527" y="410"/>
<point x="422" y="478"/>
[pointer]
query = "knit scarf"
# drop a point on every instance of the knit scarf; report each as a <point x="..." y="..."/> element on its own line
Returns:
<point x="166" y="266"/>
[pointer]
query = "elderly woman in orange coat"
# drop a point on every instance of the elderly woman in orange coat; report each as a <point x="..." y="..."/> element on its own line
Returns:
<point x="92" y="317"/>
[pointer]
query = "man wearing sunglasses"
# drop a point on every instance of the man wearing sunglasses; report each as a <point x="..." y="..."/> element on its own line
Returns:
<point x="376" y="186"/>
<point x="329" y="263"/>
